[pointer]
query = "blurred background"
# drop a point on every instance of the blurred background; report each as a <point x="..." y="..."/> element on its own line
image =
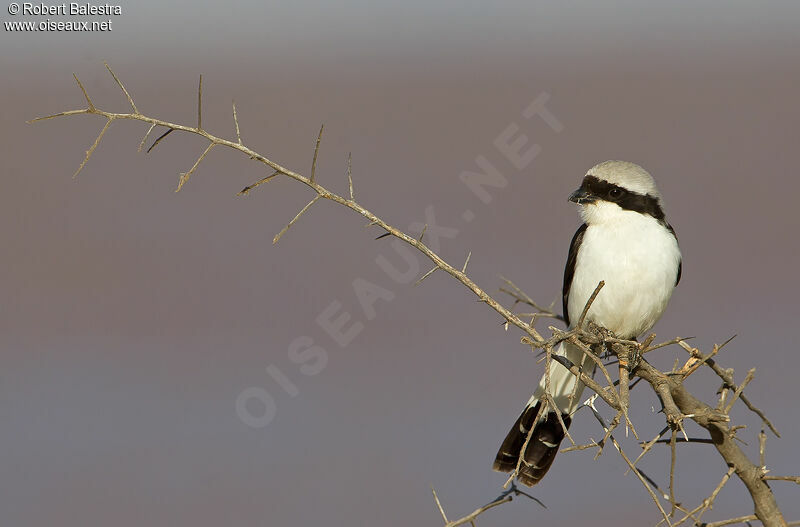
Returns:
<point x="164" y="364"/>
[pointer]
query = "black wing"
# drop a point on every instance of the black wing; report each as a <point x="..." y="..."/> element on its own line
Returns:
<point x="680" y="264"/>
<point x="569" y="270"/>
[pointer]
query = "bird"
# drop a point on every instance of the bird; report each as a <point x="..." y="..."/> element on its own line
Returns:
<point x="626" y="242"/>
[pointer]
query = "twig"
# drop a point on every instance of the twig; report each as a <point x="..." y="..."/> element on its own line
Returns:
<point x="589" y="382"/>
<point x="794" y="479"/>
<point x="703" y="440"/>
<point x="520" y="296"/>
<point x="740" y="389"/>
<point x="766" y="508"/>
<point x="672" y="470"/>
<point x="477" y="512"/>
<point x="630" y="464"/>
<point x="542" y="411"/>
<point x="727" y="378"/>
<point x="740" y="519"/>
<point x="647" y="446"/>
<point x="549" y="396"/>
<point x="708" y="502"/>
<point x="589" y="303"/>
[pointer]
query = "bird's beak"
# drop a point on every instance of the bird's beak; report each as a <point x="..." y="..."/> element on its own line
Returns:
<point x="581" y="196"/>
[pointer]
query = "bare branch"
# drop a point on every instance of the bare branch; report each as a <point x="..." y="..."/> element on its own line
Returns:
<point x="727" y="378"/>
<point x="766" y="508"/>
<point x="520" y="296"/>
<point x="678" y="403"/>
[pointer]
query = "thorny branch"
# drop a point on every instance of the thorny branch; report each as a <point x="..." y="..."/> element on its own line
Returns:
<point x="678" y="404"/>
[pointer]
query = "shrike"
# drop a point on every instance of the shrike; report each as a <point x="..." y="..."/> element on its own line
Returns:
<point x="625" y="240"/>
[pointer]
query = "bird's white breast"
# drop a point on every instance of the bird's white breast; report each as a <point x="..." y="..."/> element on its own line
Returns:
<point x="638" y="259"/>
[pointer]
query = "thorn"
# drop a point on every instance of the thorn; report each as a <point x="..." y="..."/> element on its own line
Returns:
<point x="316" y="151"/>
<point x="464" y="269"/>
<point x="350" y="174"/>
<point x="186" y="175"/>
<point x="424" y="228"/>
<point x="384" y="235"/>
<point x="92" y="148"/>
<point x="727" y="342"/>
<point x="144" y="139"/>
<point x="283" y="231"/>
<point x="200" y="103"/>
<point x="86" y="95"/>
<point x="158" y="140"/>
<point x="236" y="122"/>
<point x="119" y="82"/>
<point x="426" y="275"/>
<point x="248" y="188"/>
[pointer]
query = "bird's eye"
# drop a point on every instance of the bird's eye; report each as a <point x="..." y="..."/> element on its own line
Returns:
<point x="615" y="193"/>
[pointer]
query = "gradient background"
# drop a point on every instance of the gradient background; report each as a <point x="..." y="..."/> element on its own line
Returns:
<point x="132" y="317"/>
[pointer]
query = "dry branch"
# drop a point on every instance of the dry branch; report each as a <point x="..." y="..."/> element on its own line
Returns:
<point x="678" y="403"/>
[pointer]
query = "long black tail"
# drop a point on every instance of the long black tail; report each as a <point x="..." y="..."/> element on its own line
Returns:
<point x="541" y="449"/>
